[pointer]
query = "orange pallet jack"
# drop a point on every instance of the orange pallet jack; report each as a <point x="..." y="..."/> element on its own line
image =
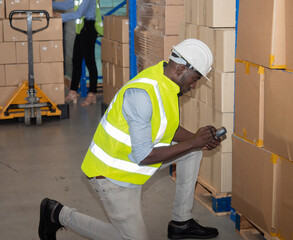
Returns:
<point x="29" y="101"/>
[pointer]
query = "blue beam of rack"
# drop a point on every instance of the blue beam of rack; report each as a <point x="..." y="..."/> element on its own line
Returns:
<point x="132" y="25"/>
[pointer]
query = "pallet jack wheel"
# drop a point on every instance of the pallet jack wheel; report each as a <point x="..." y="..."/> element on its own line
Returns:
<point x="27" y="117"/>
<point x="38" y="116"/>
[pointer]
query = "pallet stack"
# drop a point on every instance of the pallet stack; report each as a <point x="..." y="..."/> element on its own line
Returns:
<point x="157" y="30"/>
<point x="47" y="51"/>
<point x="263" y="139"/>
<point x="115" y="55"/>
<point x="212" y="103"/>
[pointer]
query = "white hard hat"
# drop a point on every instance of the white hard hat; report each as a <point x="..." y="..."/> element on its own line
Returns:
<point x="194" y="54"/>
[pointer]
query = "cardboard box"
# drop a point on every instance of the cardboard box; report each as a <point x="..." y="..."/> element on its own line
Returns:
<point x="22" y="52"/>
<point x="120" y="29"/>
<point x="2" y="75"/>
<point x="1" y="31"/>
<point x="41" y="5"/>
<point x="121" y="76"/>
<point x="188" y="11"/>
<point x="220" y="91"/>
<point x="16" y="74"/>
<point x="51" y="51"/>
<point x="49" y="73"/>
<point x="153" y="47"/>
<point x="286" y="200"/>
<point x="214" y="13"/>
<point x="123" y="54"/>
<point x="55" y="92"/>
<point x="112" y="74"/>
<point x="160" y="19"/>
<point x="255" y="188"/>
<point x="105" y="72"/>
<point x="195" y="11"/>
<point x="8" y="53"/>
<point x="11" y="5"/>
<point x="216" y="170"/>
<point x="261" y="33"/>
<point x="108" y="93"/>
<point x="289" y="34"/>
<point x="53" y="32"/>
<point x="221" y="41"/>
<point x="6" y="93"/>
<point x="109" y="50"/>
<point x="278" y="132"/>
<point x="2" y="9"/>
<point x="249" y="102"/>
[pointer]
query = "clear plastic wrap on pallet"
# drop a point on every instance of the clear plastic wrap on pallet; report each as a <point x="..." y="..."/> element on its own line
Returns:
<point x="159" y="18"/>
<point x="153" y="47"/>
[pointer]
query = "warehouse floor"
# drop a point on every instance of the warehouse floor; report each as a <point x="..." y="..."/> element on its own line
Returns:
<point x="44" y="161"/>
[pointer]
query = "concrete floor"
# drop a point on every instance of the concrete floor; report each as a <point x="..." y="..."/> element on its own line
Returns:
<point x="44" y="161"/>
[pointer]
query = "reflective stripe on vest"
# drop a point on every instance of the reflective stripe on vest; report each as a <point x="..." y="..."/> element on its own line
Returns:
<point x="125" y="138"/>
<point x="121" y="164"/>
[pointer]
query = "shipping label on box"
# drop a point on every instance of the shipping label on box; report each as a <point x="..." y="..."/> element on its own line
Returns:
<point x="261" y="33"/>
<point x="257" y="197"/>
<point x="8" y="53"/>
<point x="2" y="75"/>
<point x="278" y="133"/>
<point x="51" y="51"/>
<point x="22" y="52"/>
<point x="249" y="101"/>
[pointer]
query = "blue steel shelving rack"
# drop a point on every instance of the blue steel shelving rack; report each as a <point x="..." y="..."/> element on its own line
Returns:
<point x="132" y="57"/>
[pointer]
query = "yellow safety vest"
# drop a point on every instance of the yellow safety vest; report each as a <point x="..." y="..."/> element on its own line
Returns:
<point x="111" y="144"/>
<point x="79" y="23"/>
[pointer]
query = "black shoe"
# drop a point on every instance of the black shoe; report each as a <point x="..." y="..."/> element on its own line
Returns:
<point x="191" y="229"/>
<point x="48" y="226"/>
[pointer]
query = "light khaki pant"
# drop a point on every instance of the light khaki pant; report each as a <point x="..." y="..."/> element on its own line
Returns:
<point x="123" y="205"/>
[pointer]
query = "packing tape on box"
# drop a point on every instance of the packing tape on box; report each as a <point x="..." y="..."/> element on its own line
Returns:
<point x="261" y="69"/>
<point x="258" y="143"/>
<point x="275" y="158"/>
<point x="272" y="60"/>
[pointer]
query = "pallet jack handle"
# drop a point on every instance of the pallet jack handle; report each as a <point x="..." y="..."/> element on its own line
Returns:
<point x="29" y="32"/>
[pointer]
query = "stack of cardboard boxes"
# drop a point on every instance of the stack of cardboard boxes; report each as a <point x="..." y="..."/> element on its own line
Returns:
<point x="263" y="139"/>
<point x="157" y="30"/>
<point x="47" y="51"/>
<point x="212" y="103"/>
<point x="115" y="55"/>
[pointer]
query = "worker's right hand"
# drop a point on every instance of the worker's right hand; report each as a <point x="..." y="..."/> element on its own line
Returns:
<point x="204" y="138"/>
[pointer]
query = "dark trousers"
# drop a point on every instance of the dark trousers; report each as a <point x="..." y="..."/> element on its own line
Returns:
<point x="84" y="47"/>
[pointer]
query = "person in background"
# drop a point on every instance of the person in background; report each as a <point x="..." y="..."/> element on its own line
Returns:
<point x="89" y="25"/>
<point x="138" y="135"/>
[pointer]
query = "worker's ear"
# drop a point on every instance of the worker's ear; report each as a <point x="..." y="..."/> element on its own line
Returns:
<point x="180" y="69"/>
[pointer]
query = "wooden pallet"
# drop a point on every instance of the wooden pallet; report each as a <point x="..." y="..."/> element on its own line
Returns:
<point x="250" y="231"/>
<point x="218" y="203"/>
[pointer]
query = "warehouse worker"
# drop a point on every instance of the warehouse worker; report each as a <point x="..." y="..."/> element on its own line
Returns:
<point x="133" y="141"/>
<point x="89" y="25"/>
